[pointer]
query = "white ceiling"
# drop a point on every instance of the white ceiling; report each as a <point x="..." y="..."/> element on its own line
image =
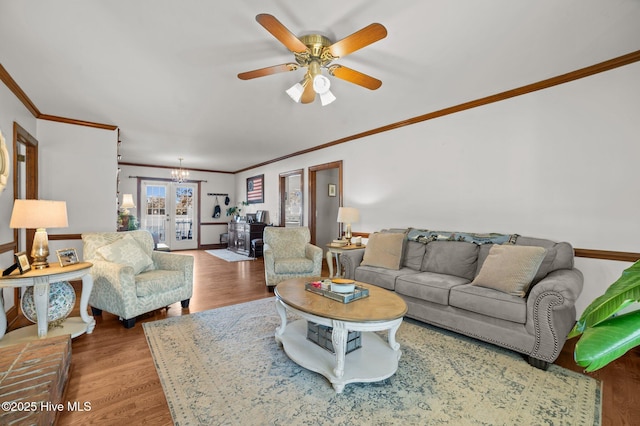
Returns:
<point x="165" y="71"/>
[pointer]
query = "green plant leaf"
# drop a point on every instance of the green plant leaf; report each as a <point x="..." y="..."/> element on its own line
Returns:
<point x="608" y="341"/>
<point x="620" y="294"/>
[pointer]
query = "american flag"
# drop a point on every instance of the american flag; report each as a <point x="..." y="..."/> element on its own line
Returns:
<point x="254" y="189"/>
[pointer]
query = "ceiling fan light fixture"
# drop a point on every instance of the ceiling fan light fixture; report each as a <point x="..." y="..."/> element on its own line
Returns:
<point x="321" y="86"/>
<point x="296" y="91"/>
<point x="327" y="97"/>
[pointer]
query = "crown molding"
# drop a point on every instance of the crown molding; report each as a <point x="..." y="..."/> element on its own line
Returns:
<point x="11" y="84"/>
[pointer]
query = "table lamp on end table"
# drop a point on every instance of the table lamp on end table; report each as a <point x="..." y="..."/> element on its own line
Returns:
<point x="348" y="215"/>
<point x="39" y="215"/>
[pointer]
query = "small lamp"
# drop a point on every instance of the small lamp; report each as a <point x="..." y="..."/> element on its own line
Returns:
<point x="128" y="220"/>
<point x="38" y="215"/>
<point x="127" y="203"/>
<point x="348" y="215"/>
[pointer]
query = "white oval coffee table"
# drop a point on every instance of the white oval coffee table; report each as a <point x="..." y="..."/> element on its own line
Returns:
<point x="376" y="360"/>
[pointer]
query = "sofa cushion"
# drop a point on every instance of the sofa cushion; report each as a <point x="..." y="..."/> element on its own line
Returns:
<point x="559" y="255"/>
<point x="429" y="286"/>
<point x="487" y="301"/>
<point x="510" y="269"/>
<point x="452" y="258"/>
<point x="157" y="282"/>
<point x="381" y="277"/>
<point x="414" y="254"/>
<point x="384" y="250"/>
<point x="126" y="251"/>
<point x="295" y="265"/>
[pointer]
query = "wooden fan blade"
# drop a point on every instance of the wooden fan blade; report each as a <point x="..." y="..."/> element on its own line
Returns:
<point x="309" y="95"/>
<point x="279" y="31"/>
<point x="364" y="37"/>
<point x="267" y="71"/>
<point x="355" y="77"/>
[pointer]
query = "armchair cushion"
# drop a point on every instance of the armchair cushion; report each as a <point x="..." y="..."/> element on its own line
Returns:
<point x="294" y="265"/>
<point x="160" y="281"/>
<point x="126" y="251"/>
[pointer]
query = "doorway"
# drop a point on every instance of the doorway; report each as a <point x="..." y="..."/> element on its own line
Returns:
<point x="25" y="186"/>
<point x="168" y="211"/>
<point x="324" y="201"/>
<point x="291" y="198"/>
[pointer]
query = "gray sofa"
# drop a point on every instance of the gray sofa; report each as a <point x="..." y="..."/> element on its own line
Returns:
<point x="435" y="275"/>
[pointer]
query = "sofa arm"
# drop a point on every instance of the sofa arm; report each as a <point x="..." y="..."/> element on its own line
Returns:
<point x="350" y="260"/>
<point x="313" y="253"/>
<point x="551" y="311"/>
<point x="269" y="265"/>
<point x="114" y="286"/>
<point x="174" y="262"/>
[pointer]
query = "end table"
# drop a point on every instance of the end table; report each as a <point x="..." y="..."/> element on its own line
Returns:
<point x="40" y="279"/>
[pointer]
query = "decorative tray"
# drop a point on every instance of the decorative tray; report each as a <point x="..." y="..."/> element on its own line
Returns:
<point x="358" y="293"/>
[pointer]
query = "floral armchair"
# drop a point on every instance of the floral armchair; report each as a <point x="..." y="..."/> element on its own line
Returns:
<point x="288" y="254"/>
<point x="130" y="278"/>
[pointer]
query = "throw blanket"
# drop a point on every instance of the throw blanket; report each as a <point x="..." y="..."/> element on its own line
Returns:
<point x="425" y="236"/>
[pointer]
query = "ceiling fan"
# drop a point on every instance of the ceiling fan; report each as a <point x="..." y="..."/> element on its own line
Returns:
<point x="314" y="52"/>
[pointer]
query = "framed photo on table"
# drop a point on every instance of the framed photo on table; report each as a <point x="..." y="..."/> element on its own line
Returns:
<point x="22" y="260"/>
<point x="67" y="256"/>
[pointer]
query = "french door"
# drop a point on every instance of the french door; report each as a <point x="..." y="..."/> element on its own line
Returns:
<point x="168" y="211"/>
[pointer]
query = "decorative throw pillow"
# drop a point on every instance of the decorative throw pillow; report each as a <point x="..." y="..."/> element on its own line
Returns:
<point x="510" y="269"/>
<point x="384" y="250"/>
<point x="126" y="251"/>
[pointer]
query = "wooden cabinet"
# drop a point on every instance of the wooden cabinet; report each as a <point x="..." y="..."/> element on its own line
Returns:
<point x="241" y="234"/>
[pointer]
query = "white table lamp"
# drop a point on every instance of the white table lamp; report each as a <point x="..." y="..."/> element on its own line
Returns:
<point x="348" y="215"/>
<point x="39" y="215"/>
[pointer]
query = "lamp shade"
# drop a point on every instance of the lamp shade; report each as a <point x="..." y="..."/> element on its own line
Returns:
<point x="348" y="215"/>
<point x="33" y="214"/>
<point x="127" y="201"/>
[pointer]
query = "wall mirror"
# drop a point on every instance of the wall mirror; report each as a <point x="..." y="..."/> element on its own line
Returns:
<point x="291" y="199"/>
<point x="5" y="161"/>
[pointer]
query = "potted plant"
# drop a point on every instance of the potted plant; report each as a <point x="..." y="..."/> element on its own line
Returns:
<point x="235" y="210"/>
<point x="606" y="335"/>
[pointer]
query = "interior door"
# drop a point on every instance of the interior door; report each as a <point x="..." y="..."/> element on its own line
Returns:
<point x="168" y="211"/>
<point x="323" y="205"/>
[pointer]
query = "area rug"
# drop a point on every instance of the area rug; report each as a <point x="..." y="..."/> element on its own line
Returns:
<point x="228" y="255"/>
<point x="224" y="367"/>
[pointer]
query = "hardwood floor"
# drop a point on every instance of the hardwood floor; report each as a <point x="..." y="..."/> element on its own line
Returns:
<point x="112" y="368"/>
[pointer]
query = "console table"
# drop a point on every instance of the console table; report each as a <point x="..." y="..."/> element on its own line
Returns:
<point x="40" y="279"/>
<point x="241" y="234"/>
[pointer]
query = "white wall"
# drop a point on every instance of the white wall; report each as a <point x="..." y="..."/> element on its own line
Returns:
<point x="78" y="165"/>
<point x="559" y="163"/>
<point x="211" y="183"/>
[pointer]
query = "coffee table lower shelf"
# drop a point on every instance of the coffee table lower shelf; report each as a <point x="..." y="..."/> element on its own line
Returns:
<point x="376" y="360"/>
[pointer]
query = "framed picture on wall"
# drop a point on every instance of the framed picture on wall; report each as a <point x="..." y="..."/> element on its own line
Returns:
<point x="332" y="190"/>
<point x="255" y="189"/>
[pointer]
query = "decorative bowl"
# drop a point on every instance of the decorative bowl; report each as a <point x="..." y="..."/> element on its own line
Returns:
<point x="341" y="285"/>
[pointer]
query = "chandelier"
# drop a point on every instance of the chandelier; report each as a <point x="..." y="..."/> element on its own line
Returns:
<point x="179" y="175"/>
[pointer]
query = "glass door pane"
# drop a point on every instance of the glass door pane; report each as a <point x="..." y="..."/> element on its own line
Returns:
<point x="154" y="215"/>
<point x="184" y="208"/>
<point x="168" y="212"/>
